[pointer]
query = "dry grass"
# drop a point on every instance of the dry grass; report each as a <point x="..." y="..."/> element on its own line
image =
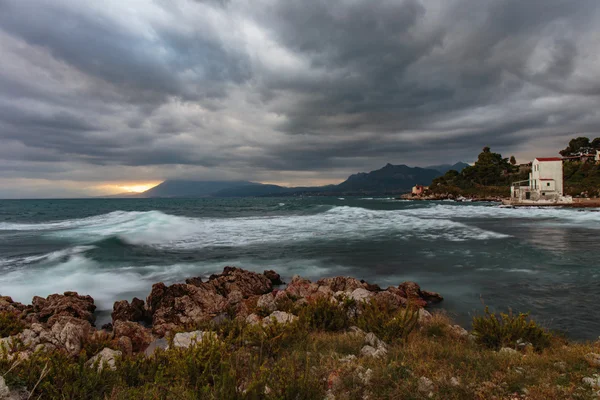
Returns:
<point x="294" y="362"/>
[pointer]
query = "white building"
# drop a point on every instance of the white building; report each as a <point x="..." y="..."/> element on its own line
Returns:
<point x="545" y="184"/>
<point x="597" y="155"/>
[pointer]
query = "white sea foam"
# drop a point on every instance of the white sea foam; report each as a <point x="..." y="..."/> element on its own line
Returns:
<point x="155" y="228"/>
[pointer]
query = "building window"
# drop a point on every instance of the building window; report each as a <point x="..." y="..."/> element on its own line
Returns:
<point x="548" y="184"/>
<point x="543" y="193"/>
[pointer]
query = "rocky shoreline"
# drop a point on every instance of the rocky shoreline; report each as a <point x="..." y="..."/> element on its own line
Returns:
<point x="449" y="196"/>
<point x="65" y="322"/>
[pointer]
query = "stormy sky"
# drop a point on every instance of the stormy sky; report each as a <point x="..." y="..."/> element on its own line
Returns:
<point x="96" y="96"/>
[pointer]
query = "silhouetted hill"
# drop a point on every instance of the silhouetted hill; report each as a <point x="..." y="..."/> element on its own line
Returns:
<point x="184" y="188"/>
<point x="389" y="179"/>
<point x="459" y="166"/>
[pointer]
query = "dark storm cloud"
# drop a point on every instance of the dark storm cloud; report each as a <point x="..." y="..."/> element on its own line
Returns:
<point x="243" y="89"/>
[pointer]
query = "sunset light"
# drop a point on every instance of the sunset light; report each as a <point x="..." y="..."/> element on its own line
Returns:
<point x="137" y="188"/>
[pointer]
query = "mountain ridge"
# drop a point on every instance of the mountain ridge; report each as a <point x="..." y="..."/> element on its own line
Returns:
<point x="390" y="179"/>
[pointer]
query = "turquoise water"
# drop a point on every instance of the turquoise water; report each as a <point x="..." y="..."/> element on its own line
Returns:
<point x="546" y="261"/>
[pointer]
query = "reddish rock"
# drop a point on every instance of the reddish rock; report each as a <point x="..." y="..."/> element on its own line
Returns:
<point x="124" y="311"/>
<point x="371" y="287"/>
<point x="181" y="305"/>
<point x="301" y="288"/>
<point x="140" y="337"/>
<point x="196" y="281"/>
<point x="69" y="304"/>
<point x="412" y="291"/>
<point x="341" y="283"/>
<point x="274" y="277"/>
<point x="391" y="298"/>
<point x="236" y="279"/>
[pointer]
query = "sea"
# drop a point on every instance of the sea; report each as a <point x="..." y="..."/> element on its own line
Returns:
<point x="545" y="261"/>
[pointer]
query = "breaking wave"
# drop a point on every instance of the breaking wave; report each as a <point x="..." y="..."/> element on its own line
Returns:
<point x="158" y="229"/>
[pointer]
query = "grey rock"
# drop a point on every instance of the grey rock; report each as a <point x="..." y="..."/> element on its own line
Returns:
<point x="187" y="339"/>
<point x="425" y="385"/>
<point x="279" y="317"/>
<point x="155" y="345"/>
<point x="106" y="358"/>
<point x="509" y="351"/>
<point x="267" y="302"/>
<point x="593" y="359"/>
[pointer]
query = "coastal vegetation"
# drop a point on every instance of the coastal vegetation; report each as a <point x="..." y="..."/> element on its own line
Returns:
<point x="340" y="338"/>
<point x="492" y="174"/>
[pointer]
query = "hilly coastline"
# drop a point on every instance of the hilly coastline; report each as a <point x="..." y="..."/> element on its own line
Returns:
<point x="391" y="179"/>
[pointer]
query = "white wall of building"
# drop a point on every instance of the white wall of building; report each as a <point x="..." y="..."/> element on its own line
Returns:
<point x="547" y="170"/>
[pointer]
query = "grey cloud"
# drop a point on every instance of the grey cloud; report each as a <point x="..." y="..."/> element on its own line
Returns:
<point x="245" y="90"/>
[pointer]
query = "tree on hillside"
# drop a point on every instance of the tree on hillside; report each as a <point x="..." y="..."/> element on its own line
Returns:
<point x="489" y="169"/>
<point x="513" y="160"/>
<point x="576" y="145"/>
<point x="596" y="143"/>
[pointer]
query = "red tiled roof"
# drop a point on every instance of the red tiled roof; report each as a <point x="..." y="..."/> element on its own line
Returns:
<point x="549" y="159"/>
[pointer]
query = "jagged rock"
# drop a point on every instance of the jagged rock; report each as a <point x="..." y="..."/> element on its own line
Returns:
<point x="246" y="282"/>
<point x="458" y="331"/>
<point x="360" y="294"/>
<point x="374" y="341"/>
<point x="425" y="385"/>
<point x="69" y="333"/>
<point x="69" y="304"/>
<point x="124" y="311"/>
<point x="253" y="319"/>
<point x="364" y="375"/>
<point x="8" y="305"/>
<point x="391" y="298"/>
<point x="279" y="317"/>
<point x="356" y="330"/>
<point x="301" y="288"/>
<point x="274" y="277"/>
<point x="267" y="302"/>
<point x="195" y="281"/>
<point x="182" y="305"/>
<point x="370" y="286"/>
<point x="140" y="336"/>
<point x="106" y="358"/>
<point x="593" y="359"/>
<point x="431" y="297"/>
<point x="370" y="351"/>
<point x="341" y="283"/>
<point x="424" y="316"/>
<point x="412" y="292"/>
<point x="187" y="339"/>
<point x="155" y="345"/>
<point x="125" y="345"/>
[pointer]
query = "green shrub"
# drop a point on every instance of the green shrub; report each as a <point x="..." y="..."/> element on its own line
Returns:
<point x="505" y="330"/>
<point x="322" y="314"/>
<point x="10" y="324"/>
<point x="390" y="326"/>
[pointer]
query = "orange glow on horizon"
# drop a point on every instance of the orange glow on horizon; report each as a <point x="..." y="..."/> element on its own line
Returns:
<point x="137" y="188"/>
<point x="126" y="187"/>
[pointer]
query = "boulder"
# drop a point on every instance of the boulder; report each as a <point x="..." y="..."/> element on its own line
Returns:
<point x="236" y="279"/>
<point x="391" y="298"/>
<point x="8" y="305"/>
<point x="196" y="281"/>
<point x="155" y="345"/>
<point x="412" y="292"/>
<point x="431" y="297"/>
<point x="458" y="332"/>
<point x="125" y="345"/>
<point x="360" y="294"/>
<point x="140" y="336"/>
<point x="279" y="317"/>
<point x="188" y="339"/>
<point x="125" y="311"/>
<point x="69" y="304"/>
<point x="341" y="283"/>
<point x="509" y="351"/>
<point x="182" y="305"/>
<point x="253" y="319"/>
<point x="370" y="351"/>
<point x="301" y="288"/>
<point x="274" y="277"/>
<point x="106" y="358"/>
<point x="267" y="302"/>
<point x="69" y="333"/>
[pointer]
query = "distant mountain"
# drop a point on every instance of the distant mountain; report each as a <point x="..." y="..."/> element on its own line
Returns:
<point x="459" y="166"/>
<point x="389" y="179"/>
<point x="184" y="188"/>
